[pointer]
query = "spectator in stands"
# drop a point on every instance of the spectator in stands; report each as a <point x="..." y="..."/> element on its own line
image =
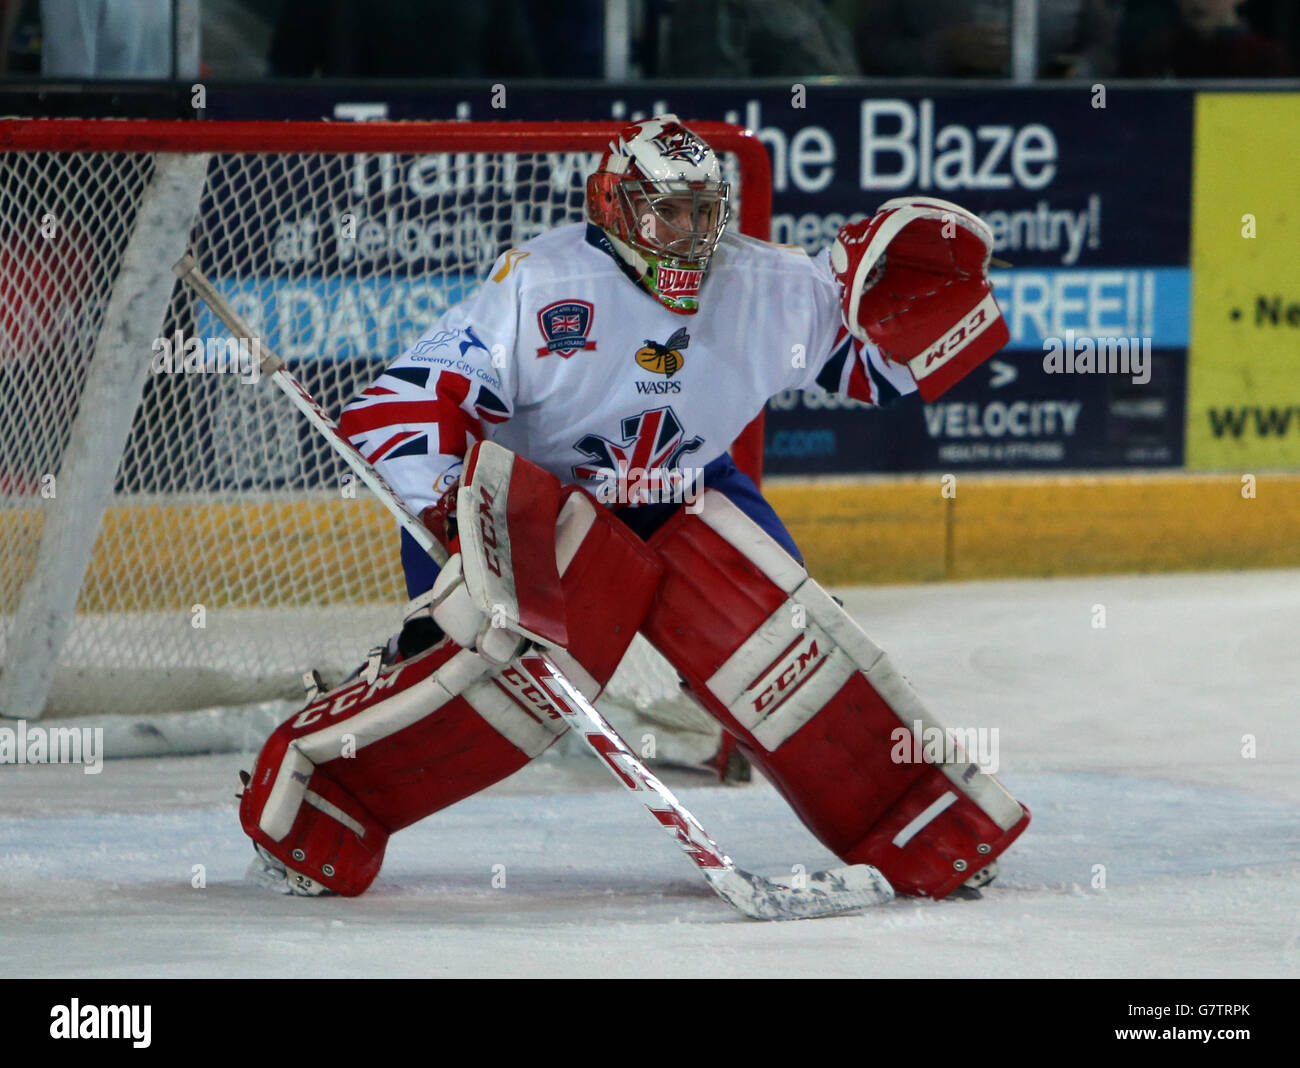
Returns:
<point x="401" y="39"/>
<point x="1077" y="38"/>
<point x="755" y="39"/>
<point x="1198" y="39"/>
<point x="10" y="16"/>
<point x="119" y="38"/>
<point x="237" y="37"/>
<point x="933" y="38"/>
<point x="972" y="38"/>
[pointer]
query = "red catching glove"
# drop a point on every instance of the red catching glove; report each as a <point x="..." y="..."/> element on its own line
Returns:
<point x="914" y="281"/>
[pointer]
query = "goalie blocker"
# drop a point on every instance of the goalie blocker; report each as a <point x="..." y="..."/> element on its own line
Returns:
<point x="815" y="705"/>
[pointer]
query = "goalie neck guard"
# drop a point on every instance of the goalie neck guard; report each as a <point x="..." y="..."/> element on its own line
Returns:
<point x="659" y="197"/>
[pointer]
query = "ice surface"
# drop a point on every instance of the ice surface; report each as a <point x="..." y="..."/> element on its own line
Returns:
<point x="1125" y="741"/>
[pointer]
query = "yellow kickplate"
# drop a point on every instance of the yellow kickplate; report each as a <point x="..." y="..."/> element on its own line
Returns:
<point x="1002" y="527"/>
<point x="168" y="557"/>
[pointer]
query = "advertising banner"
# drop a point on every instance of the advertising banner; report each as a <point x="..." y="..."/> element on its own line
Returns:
<point x="1244" y="383"/>
<point x="1088" y="196"/>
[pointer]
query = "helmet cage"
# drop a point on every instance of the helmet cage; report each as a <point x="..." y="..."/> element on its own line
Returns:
<point x="655" y="220"/>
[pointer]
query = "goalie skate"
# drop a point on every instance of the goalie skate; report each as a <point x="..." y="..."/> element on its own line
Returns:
<point x="270" y="873"/>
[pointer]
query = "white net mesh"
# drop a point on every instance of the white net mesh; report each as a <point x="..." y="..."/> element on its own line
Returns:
<point x="233" y="555"/>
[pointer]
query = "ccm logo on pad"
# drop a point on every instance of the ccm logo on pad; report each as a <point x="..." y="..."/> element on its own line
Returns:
<point x="487" y="527"/>
<point x="529" y="696"/>
<point x="786" y="676"/>
<point x="347" y="700"/>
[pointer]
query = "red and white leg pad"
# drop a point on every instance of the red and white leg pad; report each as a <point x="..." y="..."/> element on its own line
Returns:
<point x="387" y="749"/>
<point x="816" y="705"/>
<point x="334" y="781"/>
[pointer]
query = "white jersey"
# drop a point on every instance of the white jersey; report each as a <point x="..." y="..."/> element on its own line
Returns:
<point x="565" y="360"/>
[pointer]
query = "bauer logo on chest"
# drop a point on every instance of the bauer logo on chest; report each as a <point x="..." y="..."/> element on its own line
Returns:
<point x="566" y="328"/>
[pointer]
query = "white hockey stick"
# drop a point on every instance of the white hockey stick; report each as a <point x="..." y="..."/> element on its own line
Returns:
<point x="826" y="893"/>
<point x="823" y="893"/>
<point x="187" y="270"/>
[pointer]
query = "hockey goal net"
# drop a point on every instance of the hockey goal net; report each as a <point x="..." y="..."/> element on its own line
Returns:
<point x="172" y="535"/>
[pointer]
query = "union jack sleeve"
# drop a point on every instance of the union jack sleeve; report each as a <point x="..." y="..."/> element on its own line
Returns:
<point x="418" y="420"/>
<point x="857" y="370"/>
<point x="851" y="368"/>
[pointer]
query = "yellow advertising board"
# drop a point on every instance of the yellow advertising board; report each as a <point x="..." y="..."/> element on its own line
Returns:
<point x="1243" y="392"/>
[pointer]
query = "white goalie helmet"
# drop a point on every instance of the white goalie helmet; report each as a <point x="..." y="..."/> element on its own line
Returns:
<point x="659" y="196"/>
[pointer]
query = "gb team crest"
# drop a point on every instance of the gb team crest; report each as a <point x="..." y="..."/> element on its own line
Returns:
<point x="566" y="328"/>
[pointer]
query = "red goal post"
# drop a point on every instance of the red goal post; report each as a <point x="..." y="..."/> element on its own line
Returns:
<point x="138" y="544"/>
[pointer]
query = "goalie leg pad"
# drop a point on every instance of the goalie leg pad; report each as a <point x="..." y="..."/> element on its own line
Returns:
<point x="390" y="748"/>
<point x="382" y="752"/>
<point x="327" y="837"/>
<point x="817" y="707"/>
<point x="609" y="578"/>
<point x="548" y="564"/>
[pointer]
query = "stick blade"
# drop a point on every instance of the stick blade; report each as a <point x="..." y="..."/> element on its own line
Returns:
<point x="823" y="893"/>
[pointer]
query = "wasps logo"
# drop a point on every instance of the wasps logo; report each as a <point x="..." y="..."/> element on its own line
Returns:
<point x="665" y="359"/>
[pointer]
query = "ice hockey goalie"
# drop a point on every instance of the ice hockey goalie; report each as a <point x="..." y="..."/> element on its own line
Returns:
<point x="564" y="434"/>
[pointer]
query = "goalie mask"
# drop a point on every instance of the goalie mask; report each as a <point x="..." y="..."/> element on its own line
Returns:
<point x="660" y="199"/>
